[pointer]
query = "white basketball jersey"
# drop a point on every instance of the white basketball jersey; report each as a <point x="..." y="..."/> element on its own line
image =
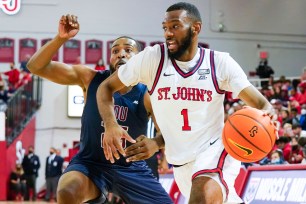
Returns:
<point x="188" y="105"/>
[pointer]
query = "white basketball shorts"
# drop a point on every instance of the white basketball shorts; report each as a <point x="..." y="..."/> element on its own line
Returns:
<point x="215" y="163"/>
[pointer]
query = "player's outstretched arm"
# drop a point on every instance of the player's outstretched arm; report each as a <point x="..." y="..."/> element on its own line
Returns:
<point x="40" y="63"/>
<point x="113" y="132"/>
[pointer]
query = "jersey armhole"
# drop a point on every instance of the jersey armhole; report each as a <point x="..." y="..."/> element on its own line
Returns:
<point x="213" y="73"/>
<point x="160" y="66"/>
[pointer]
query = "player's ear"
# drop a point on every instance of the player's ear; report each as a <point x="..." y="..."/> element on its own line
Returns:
<point x="196" y="28"/>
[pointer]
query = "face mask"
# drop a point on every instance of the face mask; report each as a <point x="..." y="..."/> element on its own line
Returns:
<point x="303" y="111"/>
<point x="276" y="161"/>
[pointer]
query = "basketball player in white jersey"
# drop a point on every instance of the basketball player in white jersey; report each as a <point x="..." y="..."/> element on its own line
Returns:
<point x="186" y="85"/>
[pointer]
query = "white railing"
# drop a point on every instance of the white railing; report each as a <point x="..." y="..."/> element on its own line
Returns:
<point x="257" y="81"/>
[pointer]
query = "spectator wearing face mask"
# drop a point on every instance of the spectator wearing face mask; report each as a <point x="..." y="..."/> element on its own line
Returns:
<point x="31" y="164"/>
<point x="54" y="165"/>
<point x="264" y="71"/>
<point x="283" y="143"/>
<point x="277" y="157"/>
<point x="302" y="88"/>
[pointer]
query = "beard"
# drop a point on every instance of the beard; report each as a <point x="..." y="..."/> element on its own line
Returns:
<point x="183" y="46"/>
<point x="112" y="66"/>
<point x="112" y="69"/>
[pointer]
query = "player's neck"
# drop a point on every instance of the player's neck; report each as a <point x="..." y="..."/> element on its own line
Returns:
<point x="189" y="53"/>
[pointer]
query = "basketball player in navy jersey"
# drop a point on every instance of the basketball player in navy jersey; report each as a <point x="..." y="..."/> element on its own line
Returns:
<point x="90" y="176"/>
<point x="186" y="85"/>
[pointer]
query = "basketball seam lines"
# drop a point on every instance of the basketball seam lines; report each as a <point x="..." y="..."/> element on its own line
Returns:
<point x="260" y="125"/>
<point x="245" y="137"/>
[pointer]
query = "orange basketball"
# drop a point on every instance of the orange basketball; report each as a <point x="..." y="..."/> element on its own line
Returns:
<point x="248" y="136"/>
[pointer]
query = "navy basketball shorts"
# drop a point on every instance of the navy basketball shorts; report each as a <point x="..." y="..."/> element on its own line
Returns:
<point x="135" y="184"/>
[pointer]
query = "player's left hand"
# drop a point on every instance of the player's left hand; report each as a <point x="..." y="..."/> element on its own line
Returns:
<point x="144" y="148"/>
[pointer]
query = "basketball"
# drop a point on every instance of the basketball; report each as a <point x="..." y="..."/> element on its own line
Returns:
<point x="248" y="136"/>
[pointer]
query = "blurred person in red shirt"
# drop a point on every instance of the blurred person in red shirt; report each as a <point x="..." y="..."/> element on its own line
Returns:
<point x="302" y="143"/>
<point x="294" y="94"/>
<point x="283" y="143"/>
<point x="302" y="87"/>
<point x="293" y="104"/>
<point x="24" y="78"/>
<point x="12" y="77"/>
<point x="100" y="65"/>
<point x="296" y="154"/>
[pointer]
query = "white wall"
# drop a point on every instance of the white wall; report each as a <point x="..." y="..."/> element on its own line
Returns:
<point x="106" y="20"/>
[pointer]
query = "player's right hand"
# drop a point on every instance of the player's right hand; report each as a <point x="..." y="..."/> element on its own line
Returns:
<point x="68" y="26"/>
<point x="270" y="112"/>
<point x="143" y="149"/>
<point x="112" y="144"/>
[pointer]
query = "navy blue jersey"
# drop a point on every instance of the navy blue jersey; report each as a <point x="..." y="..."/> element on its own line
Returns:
<point x="134" y="181"/>
<point x="130" y="113"/>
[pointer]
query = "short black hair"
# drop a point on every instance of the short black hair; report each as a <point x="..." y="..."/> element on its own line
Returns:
<point x="192" y="10"/>
<point x="283" y="139"/>
<point x="138" y="46"/>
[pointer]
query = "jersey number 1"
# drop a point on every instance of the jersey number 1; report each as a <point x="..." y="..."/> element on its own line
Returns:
<point x="186" y="126"/>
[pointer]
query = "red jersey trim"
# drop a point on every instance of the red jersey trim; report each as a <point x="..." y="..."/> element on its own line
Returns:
<point x="194" y="69"/>
<point x="217" y="170"/>
<point x="213" y="73"/>
<point x="160" y="66"/>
